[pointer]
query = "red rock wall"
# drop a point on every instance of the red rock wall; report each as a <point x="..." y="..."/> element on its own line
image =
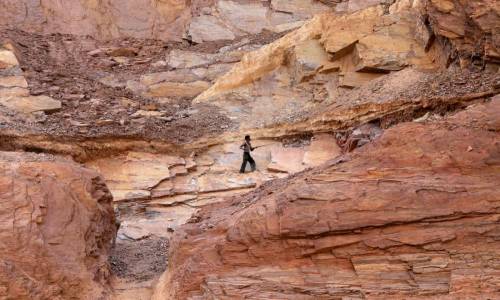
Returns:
<point x="415" y="214"/>
<point x="56" y="229"/>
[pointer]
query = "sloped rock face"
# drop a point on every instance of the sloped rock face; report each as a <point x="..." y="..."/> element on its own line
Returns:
<point x="56" y="229"/>
<point x="198" y="20"/>
<point x="471" y="27"/>
<point x="414" y="215"/>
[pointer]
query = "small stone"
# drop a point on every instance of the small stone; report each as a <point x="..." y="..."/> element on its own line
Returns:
<point x="78" y="123"/>
<point x="95" y="52"/>
<point x="469" y="149"/>
<point x="147" y="114"/>
<point x="104" y="122"/>
<point x="159" y="64"/>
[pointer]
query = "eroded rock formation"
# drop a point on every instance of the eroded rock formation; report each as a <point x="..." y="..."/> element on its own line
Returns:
<point x="56" y="229"/>
<point x="199" y="20"/>
<point x="157" y="95"/>
<point x="416" y="214"/>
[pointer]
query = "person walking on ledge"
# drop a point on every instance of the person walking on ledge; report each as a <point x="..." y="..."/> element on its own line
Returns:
<point x="247" y="148"/>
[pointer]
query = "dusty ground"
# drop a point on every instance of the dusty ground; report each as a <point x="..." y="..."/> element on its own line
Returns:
<point x="60" y="66"/>
<point x="139" y="260"/>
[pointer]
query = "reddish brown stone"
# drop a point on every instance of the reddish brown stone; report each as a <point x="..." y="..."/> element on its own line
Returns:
<point x="411" y="215"/>
<point x="56" y="229"/>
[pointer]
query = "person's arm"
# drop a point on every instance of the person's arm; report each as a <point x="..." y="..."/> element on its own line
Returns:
<point x="250" y="145"/>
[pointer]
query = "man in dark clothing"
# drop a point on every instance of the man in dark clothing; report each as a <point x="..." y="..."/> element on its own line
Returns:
<point x="247" y="148"/>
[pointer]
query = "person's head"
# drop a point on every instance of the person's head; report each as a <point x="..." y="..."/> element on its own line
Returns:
<point x="247" y="138"/>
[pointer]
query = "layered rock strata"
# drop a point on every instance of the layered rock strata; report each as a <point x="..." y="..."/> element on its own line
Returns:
<point x="172" y="188"/>
<point x="197" y="20"/>
<point x="414" y="215"/>
<point x="56" y="229"/>
<point x="14" y="92"/>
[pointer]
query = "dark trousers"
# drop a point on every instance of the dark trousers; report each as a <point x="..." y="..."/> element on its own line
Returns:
<point x="247" y="158"/>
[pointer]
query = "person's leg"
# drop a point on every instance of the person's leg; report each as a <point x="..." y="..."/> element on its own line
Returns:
<point x="252" y="163"/>
<point x="244" y="163"/>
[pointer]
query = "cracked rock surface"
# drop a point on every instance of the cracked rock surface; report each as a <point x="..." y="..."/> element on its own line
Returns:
<point x="56" y="229"/>
<point x="417" y="217"/>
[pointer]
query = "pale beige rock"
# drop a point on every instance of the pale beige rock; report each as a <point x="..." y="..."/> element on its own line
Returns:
<point x="287" y="160"/>
<point x="13" y="92"/>
<point x="363" y="40"/>
<point x="355" y="5"/>
<point x="213" y="71"/>
<point x="31" y="104"/>
<point x="174" y="89"/>
<point x="300" y="8"/>
<point x="147" y="114"/>
<point x="208" y="28"/>
<point x="287" y="26"/>
<point x="246" y="17"/>
<point x="112" y="81"/>
<point x="187" y="59"/>
<point x="135" y="171"/>
<point x="308" y="57"/>
<point x="13" y="81"/>
<point x="129" y="231"/>
<point x="7" y="59"/>
<point x="444" y="6"/>
<point x="173" y="200"/>
<point x="181" y="75"/>
<point x="323" y="148"/>
<point x="129" y="194"/>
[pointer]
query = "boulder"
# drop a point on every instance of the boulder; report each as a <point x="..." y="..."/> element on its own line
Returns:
<point x="300" y="8"/>
<point x="414" y="214"/>
<point x="245" y="17"/>
<point x="208" y="28"/>
<point x="30" y="104"/>
<point x="180" y="59"/>
<point x="175" y="89"/>
<point x="56" y="226"/>
<point x="322" y="149"/>
<point x="7" y="59"/>
<point x="355" y="5"/>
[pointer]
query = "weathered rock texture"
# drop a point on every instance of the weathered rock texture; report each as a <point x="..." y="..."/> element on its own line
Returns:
<point x="172" y="188"/>
<point x="14" y="92"/>
<point x="415" y="214"/>
<point x="470" y="29"/>
<point x="199" y="20"/>
<point x="56" y="229"/>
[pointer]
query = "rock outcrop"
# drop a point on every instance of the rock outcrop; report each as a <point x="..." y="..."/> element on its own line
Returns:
<point x="198" y="20"/>
<point x="14" y="92"/>
<point x="468" y="30"/>
<point x="56" y="229"/>
<point x="414" y="215"/>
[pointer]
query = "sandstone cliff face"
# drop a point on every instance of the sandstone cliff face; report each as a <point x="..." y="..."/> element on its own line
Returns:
<point x="199" y="20"/>
<point x="416" y="214"/>
<point x="56" y="229"/>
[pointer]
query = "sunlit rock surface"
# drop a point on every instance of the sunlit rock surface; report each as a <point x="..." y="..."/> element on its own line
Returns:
<point x="414" y="215"/>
